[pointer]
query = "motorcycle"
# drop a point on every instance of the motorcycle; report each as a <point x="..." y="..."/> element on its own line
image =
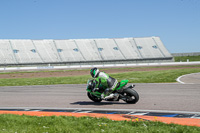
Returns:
<point x="126" y="93"/>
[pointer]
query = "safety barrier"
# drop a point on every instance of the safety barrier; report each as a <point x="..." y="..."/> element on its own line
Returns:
<point x="99" y="66"/>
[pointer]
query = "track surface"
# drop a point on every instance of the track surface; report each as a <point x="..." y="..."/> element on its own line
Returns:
<point x="173" y="97"/>
<point x="193" y="78"/>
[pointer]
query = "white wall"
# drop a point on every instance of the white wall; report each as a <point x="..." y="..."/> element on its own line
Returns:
<point x="128" y="48"/>
<point x="25" y="53"/>
<point x="6" y="53"/>
<point x="81" y="50"/>
<point x="47" y="50"/>
<point x="108" y="52"/>
<point x="70" y="51"/>
<point x="88" y="49"/>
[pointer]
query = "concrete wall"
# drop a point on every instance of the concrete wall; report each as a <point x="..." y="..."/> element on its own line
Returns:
<point x="83" y="51"/>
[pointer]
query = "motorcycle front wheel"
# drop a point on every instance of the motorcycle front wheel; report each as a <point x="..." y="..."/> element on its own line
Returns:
<point x="93" y="98"/>
<point x="131" y="95"/>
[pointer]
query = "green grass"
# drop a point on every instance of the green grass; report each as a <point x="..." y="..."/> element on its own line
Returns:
<point x="39" y="71"/>
<point x="184" y="58"/>
<point x="163" y="76"/>
<point x="62" y="124"/>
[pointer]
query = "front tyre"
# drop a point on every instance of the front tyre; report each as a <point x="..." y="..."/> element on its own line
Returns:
<point x="131" y="95"/>
<point x="93" y="98"/>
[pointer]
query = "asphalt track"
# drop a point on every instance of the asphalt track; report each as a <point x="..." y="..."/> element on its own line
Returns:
<point x="193" y="78"/>
<point x="160" y="97"/>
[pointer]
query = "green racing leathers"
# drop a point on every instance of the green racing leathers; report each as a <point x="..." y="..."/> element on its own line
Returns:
<point x="104" y="81"/>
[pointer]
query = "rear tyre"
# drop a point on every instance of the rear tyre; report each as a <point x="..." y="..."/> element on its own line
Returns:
<point x="131" y="95"/>
<point x="93" y="98"/>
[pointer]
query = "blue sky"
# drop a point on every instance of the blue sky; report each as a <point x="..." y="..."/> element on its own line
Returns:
<point x="176" y="22"/>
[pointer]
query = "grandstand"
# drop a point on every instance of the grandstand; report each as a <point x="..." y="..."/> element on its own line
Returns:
<point x="83" y="51"/>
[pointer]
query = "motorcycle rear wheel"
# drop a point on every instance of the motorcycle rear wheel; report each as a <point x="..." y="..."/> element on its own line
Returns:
<point x="131" y="95"/>
<point x="93" y="98"/>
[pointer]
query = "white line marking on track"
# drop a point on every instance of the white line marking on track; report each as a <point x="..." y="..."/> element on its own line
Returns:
<point x="196" y="117"/>
<point x="178" y="79"/>
<point x="103" y="109"/>
<point x="81" y="111"/>
<point x="134" y="113"/>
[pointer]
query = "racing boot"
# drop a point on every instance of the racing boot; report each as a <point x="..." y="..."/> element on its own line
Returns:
<point x="116" y="96"/>
<point x="111" y="96"/>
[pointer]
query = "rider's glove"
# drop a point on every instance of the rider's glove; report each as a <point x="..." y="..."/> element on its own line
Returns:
<point x="95" y="89"/>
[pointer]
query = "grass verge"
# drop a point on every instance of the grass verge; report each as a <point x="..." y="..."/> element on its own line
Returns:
<point x="185" y="58"/>
<point x="57" y="124"/>
<point x="163" y="76"/>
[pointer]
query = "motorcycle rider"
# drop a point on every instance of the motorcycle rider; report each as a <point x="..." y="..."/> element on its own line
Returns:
<point x="108" y="82"/>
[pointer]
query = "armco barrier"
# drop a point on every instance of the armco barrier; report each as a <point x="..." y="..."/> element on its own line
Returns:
<point x="99" y="66"/>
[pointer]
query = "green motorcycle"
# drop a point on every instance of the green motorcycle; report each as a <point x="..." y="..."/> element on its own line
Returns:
<point x="126" y="93"/>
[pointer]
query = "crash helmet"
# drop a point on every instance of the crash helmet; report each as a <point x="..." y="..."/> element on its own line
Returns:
<point x="94" y="72"/>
